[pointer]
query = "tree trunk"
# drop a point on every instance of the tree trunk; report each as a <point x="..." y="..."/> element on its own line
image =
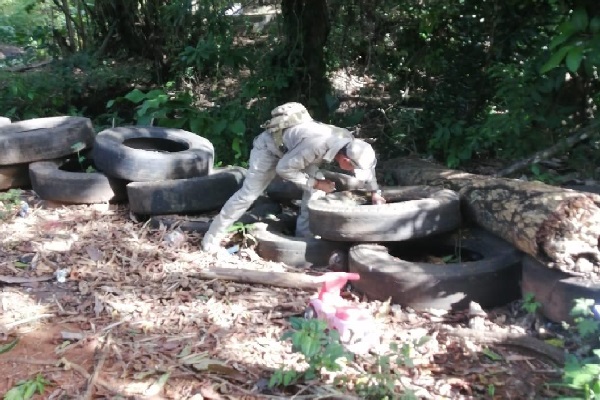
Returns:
<point x="307" y="28"/>
<point x="558" y="226"/>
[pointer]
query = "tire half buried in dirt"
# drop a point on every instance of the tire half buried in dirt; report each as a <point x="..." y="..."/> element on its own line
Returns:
<point x="295" y="251"/>
<point x="205" y="193"/>
<point x="152" y="153"/>
<point x="52" y="183"/>
<point x="489" y="275"/>
<point x="411" y="212"/>
<point x="556" y="290"/>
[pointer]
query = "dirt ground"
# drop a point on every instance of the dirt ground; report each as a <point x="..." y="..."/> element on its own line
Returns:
<point x="133" y="321"/>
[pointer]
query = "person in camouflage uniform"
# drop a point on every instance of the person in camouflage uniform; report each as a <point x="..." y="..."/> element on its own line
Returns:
<point x="293" y="146"/>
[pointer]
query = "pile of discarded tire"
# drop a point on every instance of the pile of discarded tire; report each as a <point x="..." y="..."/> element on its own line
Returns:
<point x="157" y="170"/>
<point x="401" y="249"/>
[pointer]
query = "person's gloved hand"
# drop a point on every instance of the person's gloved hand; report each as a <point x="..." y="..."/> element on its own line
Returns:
<point x="376" y="198"/>
<point x="324" y="185"/>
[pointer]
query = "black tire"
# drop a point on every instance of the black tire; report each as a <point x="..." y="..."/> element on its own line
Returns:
<point x="261" y="210"/>
<point x="411" y="212"/>
<point x="14" y="176"/>
<point x="200" y="194"/>
<point x="295" y="251"/>
<point x="43" y="139"/>
<point x="490" y="281"/>
<point x="555" y="290"/>
<point x="142" y="154"/>
<point x="52" y="183"/>
<point x="283" y="191"/>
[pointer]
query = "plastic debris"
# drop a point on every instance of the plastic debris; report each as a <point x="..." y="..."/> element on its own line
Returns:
<point x="24" y="210"/>
<point x="174" y="238"/>
<point x="61" y="275"/>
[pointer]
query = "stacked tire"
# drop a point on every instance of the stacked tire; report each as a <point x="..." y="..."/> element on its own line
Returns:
<point x="389" y="246"/>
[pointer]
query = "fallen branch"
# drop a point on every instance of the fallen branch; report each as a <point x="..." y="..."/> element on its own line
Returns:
<point x="281" y="279"/>
<point x="581" y="135"/>
<point x="94" y="377"/>
<point x="25" y="279"/>
<point x="530" y="343"/>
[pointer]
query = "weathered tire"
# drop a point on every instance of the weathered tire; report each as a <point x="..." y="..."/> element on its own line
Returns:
<point x="295" y="251"/>
<point x="411" y="212"/>
<point x="491" y="281"/>
<point x="584" y="188"/>
<point x="260" y="211"/>
<point x="142" y="154"/>
<point x="556" y="290"/>
<point x="204" y="193"/>
<point x="52" y="183"/>
<point x="283" y="191"/>
<point x="14" y="176"/>
<point x="43" y="139"/>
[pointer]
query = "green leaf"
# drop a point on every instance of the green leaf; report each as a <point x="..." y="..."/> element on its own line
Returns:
<point x="197" y="124"/>
<point x="220" y="126"/>
<point x="555" y="59"/>
<point x="235" y="146"/>
<point x="30" y="389"/>
<point x="595" y="25"/>
<point x="491" y="355"/>
<point x="573" y="59"/>
<point x="110" y="103"/>
<point x="558" y="40"/>
<point x="587" y="327"/>
<point x="9" y="346"/>
<point x="582" y="307"/>
<point x="238" y="127"/>
<point x="19" y="264"/>
<point x="579" y="19"/>
<point x="135" y="96"/>
<point x="15" y="393"/>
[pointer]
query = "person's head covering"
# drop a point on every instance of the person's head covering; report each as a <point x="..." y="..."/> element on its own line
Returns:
<point x="285" y="116"/>
<point x="362" y="156"/>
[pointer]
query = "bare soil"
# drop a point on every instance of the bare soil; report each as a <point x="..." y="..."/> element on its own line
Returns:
<point x="131" y="320"/>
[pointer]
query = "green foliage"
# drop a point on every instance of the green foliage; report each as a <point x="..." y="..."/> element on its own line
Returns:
<point x="9" y="201"/>
<point x="243" y="230"/>
<point x="223" y="126"/>
<point x="577" y="41"/>
<point x="26" y="389"/>
<point x="71" y="86"/>
<point x="582" y="372"/>
<point x="320" y="347"/>
<point x="530" y="304"/>
<point x="383" y="382"/>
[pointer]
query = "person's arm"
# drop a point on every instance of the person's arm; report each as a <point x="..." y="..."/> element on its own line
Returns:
<point x="293" y="164"/>
<point x="373" y="187"/>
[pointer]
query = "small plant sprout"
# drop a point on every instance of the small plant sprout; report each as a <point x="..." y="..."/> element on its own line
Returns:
<point x="26" y="389"/>
<point x="530" y="304"/>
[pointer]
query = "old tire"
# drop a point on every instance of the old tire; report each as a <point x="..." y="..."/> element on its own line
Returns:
<point x="490" y="281"/>
<point x="261" y="210"/>
<point x="199" y="194"/>
<point x="556" y="290"/>
<point x="141" y="154"/>
<point x="411" y="212"/>
<point x="295" y="251"/>
<point x="14" y="176"/>
<point x="52" y="183"/>
<point x="43" y="139"/>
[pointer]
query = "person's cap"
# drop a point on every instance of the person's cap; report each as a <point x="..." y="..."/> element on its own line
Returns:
<point x="362" y="156"/>
<point x="287" y="115"/>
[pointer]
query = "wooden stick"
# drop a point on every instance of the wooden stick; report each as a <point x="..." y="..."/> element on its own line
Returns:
<point x="281" y="279"/>
<point x="565" y="144"/>
<point x="94" y="377"/>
